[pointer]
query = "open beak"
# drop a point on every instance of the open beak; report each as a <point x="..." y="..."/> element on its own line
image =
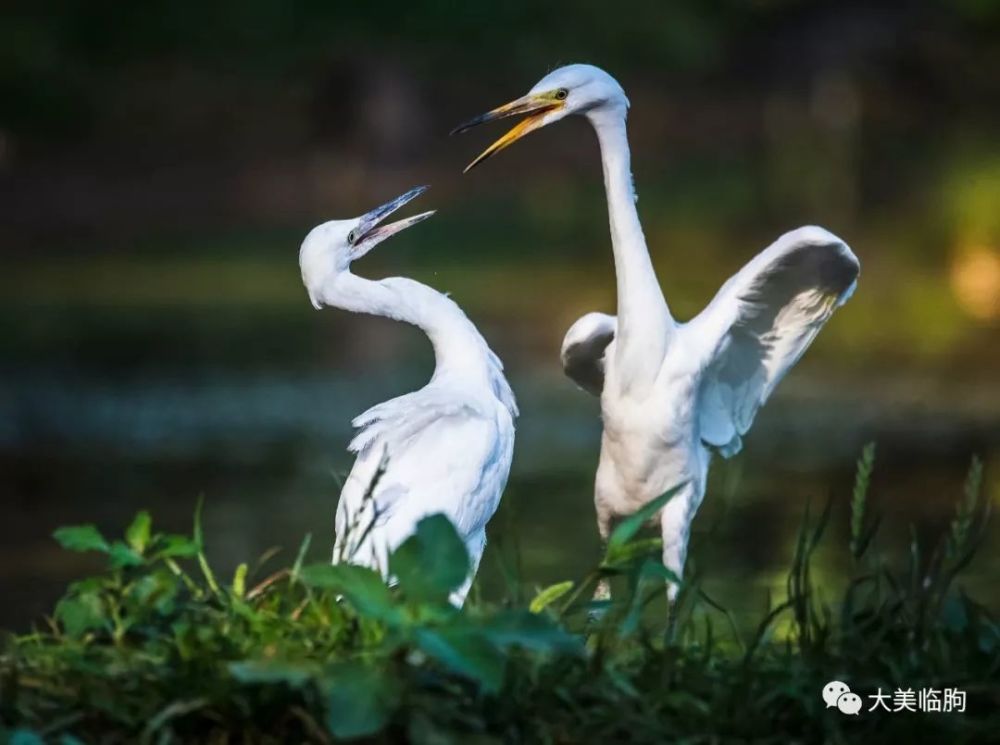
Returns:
<point x="369" y="233"/>
<point x="536" y="106"/>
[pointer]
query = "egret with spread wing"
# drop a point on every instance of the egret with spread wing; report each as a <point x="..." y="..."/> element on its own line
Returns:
<point x="672" y="393"/>
<point x="445" y="448"/>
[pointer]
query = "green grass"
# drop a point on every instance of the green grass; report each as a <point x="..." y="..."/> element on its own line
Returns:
<point x="161" y="649"/>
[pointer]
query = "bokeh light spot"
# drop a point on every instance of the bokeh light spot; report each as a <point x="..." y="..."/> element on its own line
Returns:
<point x="975" y="281"/>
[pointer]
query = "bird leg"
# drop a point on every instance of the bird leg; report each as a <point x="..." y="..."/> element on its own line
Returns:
<point x="602" y="592"/>
<point x="675" y="526"/>
<point x="603" y="589"/>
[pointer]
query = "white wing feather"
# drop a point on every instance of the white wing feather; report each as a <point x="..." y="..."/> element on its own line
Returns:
<point x="761" y="322"/>
<point x="391" y="424"/>
<point x="440" y="454"/>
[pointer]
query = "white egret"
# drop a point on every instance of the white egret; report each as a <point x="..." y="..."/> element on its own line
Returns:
<point x="672" y="393"/>
<point x="445" y="448"/>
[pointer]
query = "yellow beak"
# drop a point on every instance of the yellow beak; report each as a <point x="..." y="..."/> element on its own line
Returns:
<point x="535" y="106"/>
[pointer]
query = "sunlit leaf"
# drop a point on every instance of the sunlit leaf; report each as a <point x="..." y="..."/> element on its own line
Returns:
<point x="633" y="550"/>
<point x="432" y="562"/>
<point x="466" y="651"/>
<point x="549" y="595"/>
<point x="81" y="538"/>
<point x="137" y="534"/>
<point x="360" y="699"/>
<point x="240" y="580"/>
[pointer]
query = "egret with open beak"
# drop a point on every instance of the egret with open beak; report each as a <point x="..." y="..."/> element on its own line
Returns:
<point x="443" y="449"/>
<point x="540" y="107"/>
<point x="369" y="231"/>
<point x="673" y="394"/>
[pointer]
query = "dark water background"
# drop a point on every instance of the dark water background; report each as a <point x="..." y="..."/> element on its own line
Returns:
<point x="263" y="440"/>
<point x="158" y="170"/>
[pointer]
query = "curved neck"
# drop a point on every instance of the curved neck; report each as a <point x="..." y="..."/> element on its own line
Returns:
<point x="459" y="349"/>
<point x="644" y="321"/>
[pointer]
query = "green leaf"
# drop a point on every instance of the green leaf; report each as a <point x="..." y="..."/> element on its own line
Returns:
<point x="295" y="675"/>
<point x="549" y="595"/>
<point x="531" y="631"/>
<point x="954" y="615"/>
<point x="81" y="538"/>
<point x="652" y="571"/>
<point x="246" y="611"/>
<point x="432" y="562"/>
<point x="25" y="737"/>
<point x="156" y="590"/>
<point x="360" y="699"/>
<point x="466" y="651"/>
<point x="123" y="556"/>
<point x="300" y="558"/>
<point x="633" y="550"/>
<point x="81" y="613"/>
<point x="178" y="546"/>
<point x="137" y="534"/>
<point x="240" y="580"/>
<point x="199" y="541"/>
<point x="364" y="588"/>
<point x="631" y="525"/>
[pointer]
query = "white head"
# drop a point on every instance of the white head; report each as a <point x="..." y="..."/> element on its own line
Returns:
<point x="573" y="89"/>
<point x="330" y="248"/>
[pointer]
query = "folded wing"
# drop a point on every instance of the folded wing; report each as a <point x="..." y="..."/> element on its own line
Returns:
<point x="583" y="350"/>
<point x="437" y="453"/>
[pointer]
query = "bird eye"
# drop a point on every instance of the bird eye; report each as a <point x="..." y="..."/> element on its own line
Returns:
<point x="561" y="94"/>
<point x="352" y="236"/>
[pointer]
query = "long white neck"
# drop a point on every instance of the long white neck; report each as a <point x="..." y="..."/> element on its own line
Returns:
<point x="460" y="351"/>
<point x="644" y="321"/>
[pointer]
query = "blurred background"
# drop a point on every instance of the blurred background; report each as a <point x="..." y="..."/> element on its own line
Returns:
<point x="160" y="163"/>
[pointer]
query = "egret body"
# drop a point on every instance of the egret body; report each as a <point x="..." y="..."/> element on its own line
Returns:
<point x="445" y="448"/>
<point x="673" y="393"/>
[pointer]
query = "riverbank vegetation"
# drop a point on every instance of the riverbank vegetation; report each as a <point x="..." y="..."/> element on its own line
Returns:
<point x="159" y="648"/>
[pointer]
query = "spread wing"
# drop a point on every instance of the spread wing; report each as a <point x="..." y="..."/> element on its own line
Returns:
<point x="583" y="350"/>
<point x="761" y="322"/>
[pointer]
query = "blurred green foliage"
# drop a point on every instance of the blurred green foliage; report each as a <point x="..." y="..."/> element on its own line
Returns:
<point x="157" y="649"/>
<point x="57" y="56"/>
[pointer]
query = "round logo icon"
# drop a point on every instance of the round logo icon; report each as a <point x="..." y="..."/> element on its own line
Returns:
<point x="849" y="703"/>
<point x="834" y="690"/>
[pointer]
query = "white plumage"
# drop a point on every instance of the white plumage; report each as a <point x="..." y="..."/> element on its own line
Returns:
<point x="672" y="393"/>
<point x="445" y="448"/>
